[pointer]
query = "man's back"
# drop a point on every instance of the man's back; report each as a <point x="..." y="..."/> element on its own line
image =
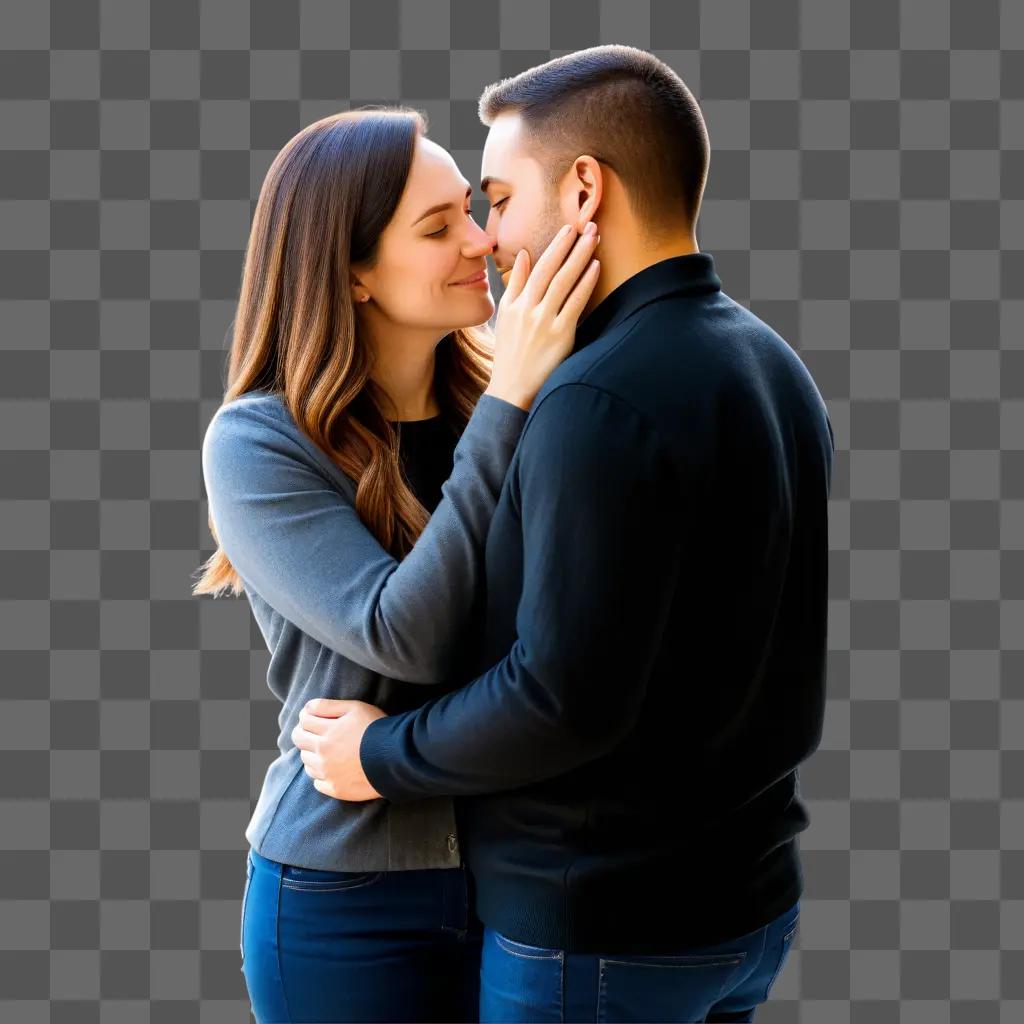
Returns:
<point x="681" y="830"/>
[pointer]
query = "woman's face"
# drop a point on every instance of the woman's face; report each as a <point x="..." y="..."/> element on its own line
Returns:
<point x="429" y="247"/>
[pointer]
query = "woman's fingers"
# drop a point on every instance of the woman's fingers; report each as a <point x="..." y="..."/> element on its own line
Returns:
<point x="518" y="275"/>
<point x="579" y="296"/>
<point x="549" y="262"/>
<point x="569" y="273"/>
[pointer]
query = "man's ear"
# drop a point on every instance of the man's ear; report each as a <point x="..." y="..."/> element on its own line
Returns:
<point x="586" y="180"/>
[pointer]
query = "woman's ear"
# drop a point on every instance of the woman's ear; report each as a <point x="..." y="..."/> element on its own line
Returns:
<point x="359" y="292"/>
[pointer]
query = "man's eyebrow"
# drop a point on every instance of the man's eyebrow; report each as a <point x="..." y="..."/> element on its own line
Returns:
<point x="489" y="181"/>
<point x="440" y="207"/>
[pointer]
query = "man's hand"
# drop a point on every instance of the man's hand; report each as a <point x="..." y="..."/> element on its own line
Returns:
<point x="328" y="735"/>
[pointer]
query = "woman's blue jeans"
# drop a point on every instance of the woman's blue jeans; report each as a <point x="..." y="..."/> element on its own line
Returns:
<point x="344" y="946"/>
<point x="722" y="982"/>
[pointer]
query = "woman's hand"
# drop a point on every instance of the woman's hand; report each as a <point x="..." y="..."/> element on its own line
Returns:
<point x="537" y="315"/>
<point x="328" y="735"/>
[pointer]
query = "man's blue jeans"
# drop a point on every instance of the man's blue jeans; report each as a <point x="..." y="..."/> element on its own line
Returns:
<point x="724" y="982"/>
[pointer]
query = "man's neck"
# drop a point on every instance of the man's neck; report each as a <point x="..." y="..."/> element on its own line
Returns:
<point x="620" y="263"/>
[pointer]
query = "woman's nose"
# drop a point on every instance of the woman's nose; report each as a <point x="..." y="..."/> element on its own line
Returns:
<point x="478" y="242"/>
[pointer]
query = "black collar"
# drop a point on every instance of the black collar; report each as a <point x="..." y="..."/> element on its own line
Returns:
<point x="692" y="274"/>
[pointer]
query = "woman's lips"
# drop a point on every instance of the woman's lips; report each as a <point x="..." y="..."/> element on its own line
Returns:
<point x="478" y="278"/>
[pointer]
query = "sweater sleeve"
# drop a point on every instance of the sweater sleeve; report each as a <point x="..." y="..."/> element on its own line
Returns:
<point x="298" y="540"/>
<point x="600" y="556"/>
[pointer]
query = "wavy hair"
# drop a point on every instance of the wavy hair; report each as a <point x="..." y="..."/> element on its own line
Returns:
<point x="327" y="197"/>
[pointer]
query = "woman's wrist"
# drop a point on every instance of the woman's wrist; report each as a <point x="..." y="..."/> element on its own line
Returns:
<point x="507" y="396"/>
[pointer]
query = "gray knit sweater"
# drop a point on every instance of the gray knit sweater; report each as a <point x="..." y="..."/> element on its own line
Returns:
<point x="342" y="618"/>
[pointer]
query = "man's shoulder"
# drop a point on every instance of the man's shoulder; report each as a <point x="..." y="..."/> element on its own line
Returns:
<point x="582" y="417"/>
<point x="581" y="370"/>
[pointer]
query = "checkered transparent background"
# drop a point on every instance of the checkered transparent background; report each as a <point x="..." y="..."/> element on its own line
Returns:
<point x="866" y="198"/>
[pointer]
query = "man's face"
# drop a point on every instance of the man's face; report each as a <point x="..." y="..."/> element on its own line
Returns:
<point x="525" y="210"/>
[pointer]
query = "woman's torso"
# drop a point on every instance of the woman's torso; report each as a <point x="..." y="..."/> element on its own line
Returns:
<point x="293" y="822"/>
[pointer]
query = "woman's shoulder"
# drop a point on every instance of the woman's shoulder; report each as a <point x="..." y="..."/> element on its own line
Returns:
<point x="258" y="427"/>
<point x="249" y="414"/>
<point x="259" y="403"/>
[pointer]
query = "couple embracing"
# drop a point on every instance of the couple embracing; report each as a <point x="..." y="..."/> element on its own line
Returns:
<point x="544" y="591"/>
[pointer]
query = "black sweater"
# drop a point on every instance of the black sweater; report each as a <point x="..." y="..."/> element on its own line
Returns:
<point x="652" y="666"/>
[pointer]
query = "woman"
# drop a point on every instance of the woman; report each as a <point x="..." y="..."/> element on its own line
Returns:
<point x="351" y="474"/>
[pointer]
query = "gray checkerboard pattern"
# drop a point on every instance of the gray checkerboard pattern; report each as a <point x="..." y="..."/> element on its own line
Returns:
<point x="866" y="198"/>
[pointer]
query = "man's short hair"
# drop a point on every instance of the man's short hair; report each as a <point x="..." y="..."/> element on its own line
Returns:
<point x="626" y="108"/>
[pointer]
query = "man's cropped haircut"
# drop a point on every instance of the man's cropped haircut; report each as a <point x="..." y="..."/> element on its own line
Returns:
<point x="627" y="109"/>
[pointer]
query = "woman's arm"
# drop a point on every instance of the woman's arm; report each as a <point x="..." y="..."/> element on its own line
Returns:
<point x="299" y="541"/>
<point x="600" y="511"/>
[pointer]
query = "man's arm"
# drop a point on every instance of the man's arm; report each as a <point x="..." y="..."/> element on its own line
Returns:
<point x="600" y="558"/>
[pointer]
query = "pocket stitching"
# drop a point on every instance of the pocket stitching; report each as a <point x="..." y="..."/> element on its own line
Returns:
<point x="508" y="946"/>
<point x="328" y="885"/>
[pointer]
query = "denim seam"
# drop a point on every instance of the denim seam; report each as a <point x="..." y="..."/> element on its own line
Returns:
<point x="561" y="982"/>
<point x="245" y="898"/>
<point x="782" y="959"/>
<point x="277" y="944"/>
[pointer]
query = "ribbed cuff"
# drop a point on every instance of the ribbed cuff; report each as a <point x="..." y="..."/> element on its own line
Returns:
<point x="378" y="754"/>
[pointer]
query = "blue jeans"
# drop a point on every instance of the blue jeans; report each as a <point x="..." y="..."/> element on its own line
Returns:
<point x="346" y="946"/>
<point x="723" y="982"/>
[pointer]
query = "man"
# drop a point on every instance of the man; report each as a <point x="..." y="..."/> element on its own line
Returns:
<point x="652" y="668"/>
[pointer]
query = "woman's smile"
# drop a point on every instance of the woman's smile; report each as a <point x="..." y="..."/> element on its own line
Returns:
<point x="477" y="279"/>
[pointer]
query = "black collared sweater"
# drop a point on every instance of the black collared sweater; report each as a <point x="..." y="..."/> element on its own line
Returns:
<point x="651" y="667"/>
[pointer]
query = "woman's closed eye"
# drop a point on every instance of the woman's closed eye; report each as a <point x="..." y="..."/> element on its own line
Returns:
<point x="440" y="232"/>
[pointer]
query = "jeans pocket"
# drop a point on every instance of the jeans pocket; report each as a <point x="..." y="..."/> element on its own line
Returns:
<point x="315" y="880"/>
<point x="527" y="952"/>
<point x="787" y="941"/>
<point x="671" y="989"/>
<point x="518" y="979"/>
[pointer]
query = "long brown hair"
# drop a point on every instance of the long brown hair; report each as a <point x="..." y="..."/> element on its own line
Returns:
<point x="326" y="199"/>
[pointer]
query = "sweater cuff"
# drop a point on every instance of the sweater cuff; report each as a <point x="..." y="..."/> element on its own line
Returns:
<point x="494" y="419"/>
<point x="378" y="754"/>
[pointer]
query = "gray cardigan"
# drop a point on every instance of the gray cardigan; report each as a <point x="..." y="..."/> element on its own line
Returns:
<point x="342" y="618"/>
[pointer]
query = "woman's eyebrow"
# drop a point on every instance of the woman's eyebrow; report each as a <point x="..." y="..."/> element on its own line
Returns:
<point x="440" y="207"/>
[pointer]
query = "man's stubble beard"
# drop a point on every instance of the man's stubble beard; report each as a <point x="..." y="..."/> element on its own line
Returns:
<point x="548" y="225"/>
